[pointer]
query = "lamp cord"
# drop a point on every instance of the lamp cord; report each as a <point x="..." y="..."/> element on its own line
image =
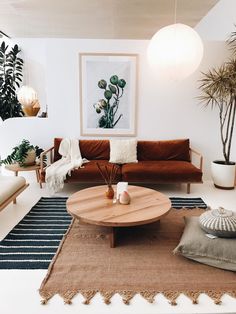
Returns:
<point x="175" y="15"/>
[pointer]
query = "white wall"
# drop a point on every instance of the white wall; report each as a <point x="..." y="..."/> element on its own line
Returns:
<point x="166" y="109"/>
<point x="219" y="22"/>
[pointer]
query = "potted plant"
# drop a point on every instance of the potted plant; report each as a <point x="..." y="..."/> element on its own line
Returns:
<point x="24" y="154"/>
<point x="218" y="88"/>
<point x="11" y="67"/>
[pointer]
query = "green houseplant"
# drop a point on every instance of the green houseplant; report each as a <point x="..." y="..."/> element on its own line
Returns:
<point x="218" y="88"/>
<point x="24" y="154"/>
<point x="11" y="67"/>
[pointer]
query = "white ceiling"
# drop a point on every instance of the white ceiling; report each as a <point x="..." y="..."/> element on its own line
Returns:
<point x="116" y="19"/>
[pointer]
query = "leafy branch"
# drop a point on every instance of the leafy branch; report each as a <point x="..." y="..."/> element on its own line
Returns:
<point x="109" y="106"/>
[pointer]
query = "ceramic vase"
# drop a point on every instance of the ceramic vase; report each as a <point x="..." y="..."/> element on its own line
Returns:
<point x="109" y="192"/>
<point x="124" y="198"/>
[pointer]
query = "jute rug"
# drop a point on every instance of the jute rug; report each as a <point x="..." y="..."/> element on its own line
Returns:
<point x="142" y="263"/>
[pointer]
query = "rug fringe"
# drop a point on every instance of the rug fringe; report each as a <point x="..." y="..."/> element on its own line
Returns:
<point x="149" y="295"/>
<point x="128" y="295"/>
<point x="46" y="296"/>
<point x="68" y="296"/>
<point x="107" y="296"/>
<point x="215" y="296"/>
<point x="171" y="296"/>
<point x="88" y="295"/>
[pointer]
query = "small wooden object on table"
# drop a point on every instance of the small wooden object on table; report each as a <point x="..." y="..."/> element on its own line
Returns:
<point x="16" y="168"/>
<point x="90" y="206"/>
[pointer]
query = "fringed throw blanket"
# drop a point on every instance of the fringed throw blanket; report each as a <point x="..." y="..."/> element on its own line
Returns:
<point x="71" y="159"/>
<point x="142" y="263"/>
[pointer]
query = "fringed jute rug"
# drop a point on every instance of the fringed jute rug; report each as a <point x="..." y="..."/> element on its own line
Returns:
<point x="142" y="263"/>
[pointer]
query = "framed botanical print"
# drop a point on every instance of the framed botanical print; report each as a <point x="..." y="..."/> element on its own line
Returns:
<point x="108" y="94"/>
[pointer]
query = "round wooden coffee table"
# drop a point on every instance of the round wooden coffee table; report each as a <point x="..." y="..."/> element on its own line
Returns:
<point x="90" y="206"/>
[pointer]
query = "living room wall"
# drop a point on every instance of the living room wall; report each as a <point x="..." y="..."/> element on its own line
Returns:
<point x="166" y="109"/>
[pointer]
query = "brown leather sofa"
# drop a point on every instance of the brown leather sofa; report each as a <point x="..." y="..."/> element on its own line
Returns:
<point x="158" y="162"/>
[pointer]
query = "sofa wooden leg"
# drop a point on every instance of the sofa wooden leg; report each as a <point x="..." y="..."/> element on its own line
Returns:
<point x="188" y="188"/>
<point x="14" y="201"/>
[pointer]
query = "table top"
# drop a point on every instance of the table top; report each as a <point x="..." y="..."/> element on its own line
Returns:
<point x="91" y="206"/>
<point x="16" y="167"/>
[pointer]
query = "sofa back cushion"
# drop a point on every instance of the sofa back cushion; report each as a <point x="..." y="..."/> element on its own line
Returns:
<point x="164" y="150"/>
<point x="146" y="150"/>
<point x="90" y="149"/>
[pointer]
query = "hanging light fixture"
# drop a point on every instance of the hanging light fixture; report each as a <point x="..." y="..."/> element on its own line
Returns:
<point x="175" y="50"/>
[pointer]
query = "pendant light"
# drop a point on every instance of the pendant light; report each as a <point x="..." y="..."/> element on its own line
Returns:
<point x="176" y="50"/>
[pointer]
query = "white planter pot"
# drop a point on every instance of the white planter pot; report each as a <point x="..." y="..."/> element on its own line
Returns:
<point x="223" y="175"/>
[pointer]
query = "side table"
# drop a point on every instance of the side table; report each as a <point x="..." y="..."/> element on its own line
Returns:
<point x="16" y="168"/>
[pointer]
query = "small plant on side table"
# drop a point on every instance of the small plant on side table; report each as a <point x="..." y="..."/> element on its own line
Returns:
<point x="24" y="154"/>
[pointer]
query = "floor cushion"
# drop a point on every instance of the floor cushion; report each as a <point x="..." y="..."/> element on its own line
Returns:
<point x="195" y="245"/>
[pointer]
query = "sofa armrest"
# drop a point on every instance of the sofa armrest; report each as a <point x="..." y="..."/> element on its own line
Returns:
<point x="43" y="154"/>
<point x="200" y="157"/>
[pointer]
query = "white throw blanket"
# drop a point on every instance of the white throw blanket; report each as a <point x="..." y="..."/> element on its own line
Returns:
<point x="71" y="159"/>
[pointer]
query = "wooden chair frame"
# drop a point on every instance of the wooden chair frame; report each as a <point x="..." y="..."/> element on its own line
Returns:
<point x="192" y="152"/>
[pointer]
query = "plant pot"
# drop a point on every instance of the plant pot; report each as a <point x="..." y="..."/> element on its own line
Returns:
<point x="223" y="175"/>
<point x="30" y="159"/>
<point x="30" y="111"/>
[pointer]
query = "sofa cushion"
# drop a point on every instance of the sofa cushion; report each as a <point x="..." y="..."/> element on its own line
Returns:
<point x="123" y="151"/>
<point x="9" y="185"/>
<point x="90" y="149"/>
<point x="89" y="173"/>
<point x="164" y="150"/>
<point x="161" y="171"/>
<point x="195" y="245"/>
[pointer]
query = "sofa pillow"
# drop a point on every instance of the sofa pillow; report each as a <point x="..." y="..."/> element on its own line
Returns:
<point x="195" y="245"/>
<point x="123" y="151"/>
<point x="164" y="150"/>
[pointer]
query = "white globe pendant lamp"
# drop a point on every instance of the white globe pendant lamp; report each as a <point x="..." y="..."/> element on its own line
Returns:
<point x="175" y="51"/>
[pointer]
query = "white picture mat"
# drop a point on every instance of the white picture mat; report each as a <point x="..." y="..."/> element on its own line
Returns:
<point x="93" y="68"/>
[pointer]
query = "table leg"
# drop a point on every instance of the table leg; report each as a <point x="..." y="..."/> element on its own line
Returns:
<point x="112" y="237"/>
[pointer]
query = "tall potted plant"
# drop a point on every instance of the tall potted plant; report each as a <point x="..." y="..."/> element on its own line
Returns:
<point x="11" y="67"/>
<point x="218" y="88"/>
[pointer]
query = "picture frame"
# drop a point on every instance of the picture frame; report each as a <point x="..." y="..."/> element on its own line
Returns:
<point x="108" y="94"/>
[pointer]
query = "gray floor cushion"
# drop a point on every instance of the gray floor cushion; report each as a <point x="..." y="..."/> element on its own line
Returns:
<point x="194" y="244"/>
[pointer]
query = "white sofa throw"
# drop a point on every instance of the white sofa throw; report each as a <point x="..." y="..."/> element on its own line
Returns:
<point x="71" y="159"/>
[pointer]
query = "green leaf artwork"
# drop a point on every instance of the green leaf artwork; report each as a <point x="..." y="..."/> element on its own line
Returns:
<point x="107" y="107"/>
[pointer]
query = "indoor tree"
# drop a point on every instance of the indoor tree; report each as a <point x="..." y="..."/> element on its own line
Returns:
<point x="11" y="67"/>
<point x="218" y="88"/>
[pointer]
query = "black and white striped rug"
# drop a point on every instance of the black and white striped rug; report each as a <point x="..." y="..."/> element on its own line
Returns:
<point x="34" y="240"/>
